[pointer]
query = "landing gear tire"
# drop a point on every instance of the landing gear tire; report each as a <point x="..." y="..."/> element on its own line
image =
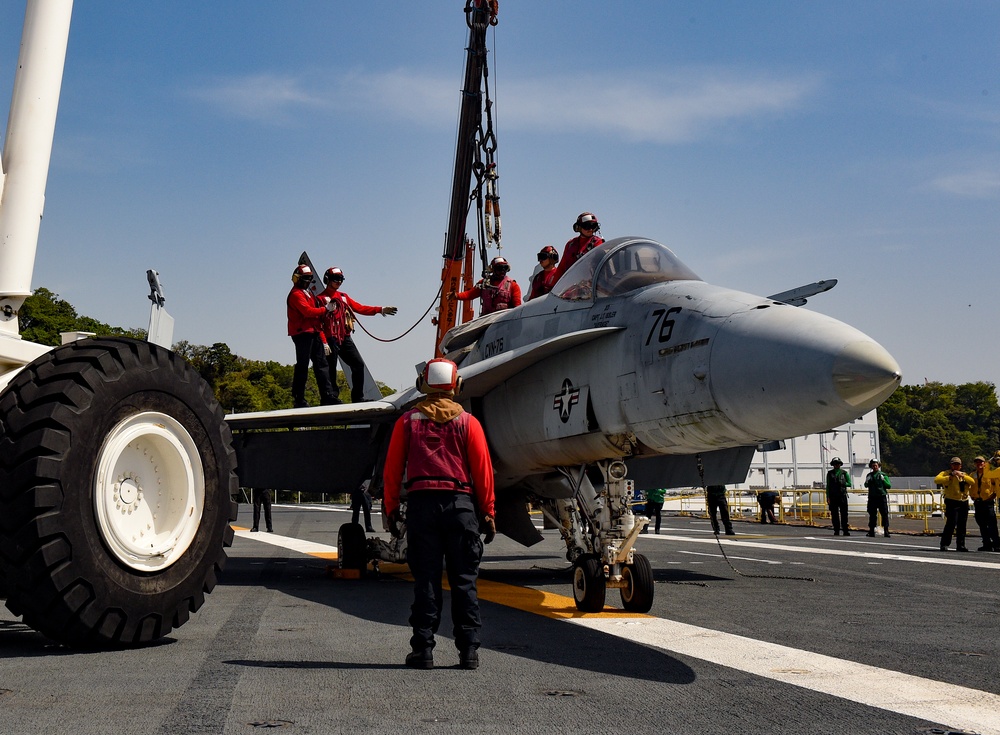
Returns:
<point x="637" y="594"/>
<point x="352" y="547"/>
<point x="589" y="587"/>
<point x="116" y="482"/>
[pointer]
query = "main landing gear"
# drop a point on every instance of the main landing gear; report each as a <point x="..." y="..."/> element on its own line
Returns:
<point x="600" y="530"/>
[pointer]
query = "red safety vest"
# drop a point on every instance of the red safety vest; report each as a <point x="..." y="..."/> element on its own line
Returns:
<point x="496" y="296"/>
<point x="436" y="458"/>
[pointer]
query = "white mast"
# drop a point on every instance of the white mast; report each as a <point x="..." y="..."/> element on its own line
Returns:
<point x="26" y="151"/>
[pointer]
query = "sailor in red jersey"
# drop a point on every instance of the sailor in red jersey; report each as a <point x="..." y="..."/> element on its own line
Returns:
<point x="443" y="452"/>
<point x="305" y="313"/>
<point x="543" y="281"/>
<point x="498" y="293"/>
<point x="588" y="239"/>
<point x="338" y="326"/>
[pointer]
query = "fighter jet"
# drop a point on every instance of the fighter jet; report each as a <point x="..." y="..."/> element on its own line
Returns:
<point x="632" y="373"/>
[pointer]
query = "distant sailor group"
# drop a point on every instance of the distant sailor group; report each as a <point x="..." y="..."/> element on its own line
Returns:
<point x="957" y="487"/>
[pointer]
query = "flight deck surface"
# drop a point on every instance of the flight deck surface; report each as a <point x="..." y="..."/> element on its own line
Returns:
<point x="815" y="634"/>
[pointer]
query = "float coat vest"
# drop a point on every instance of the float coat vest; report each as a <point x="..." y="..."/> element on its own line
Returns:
<point x="436" y="459"/>
<point x="496" y="296"/>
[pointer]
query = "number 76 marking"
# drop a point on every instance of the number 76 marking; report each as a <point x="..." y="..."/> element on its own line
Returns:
<point x="665" y="324"/>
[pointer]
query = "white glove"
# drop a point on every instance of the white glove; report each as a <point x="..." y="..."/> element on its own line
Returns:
<point x="326" y="349"/>
<point x="389" y="310"/>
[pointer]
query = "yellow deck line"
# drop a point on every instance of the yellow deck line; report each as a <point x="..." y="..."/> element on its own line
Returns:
<point x="526" y="599"/>
<point x="543" y="603"/>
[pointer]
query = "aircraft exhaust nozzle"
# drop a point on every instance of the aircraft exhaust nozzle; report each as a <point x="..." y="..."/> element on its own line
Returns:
<point x="779" y="371"/>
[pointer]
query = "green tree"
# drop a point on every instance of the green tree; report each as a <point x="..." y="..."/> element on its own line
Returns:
<point x="921" y="426"/>
<point x="212" y="363"/>
<point x="44" y="316"/>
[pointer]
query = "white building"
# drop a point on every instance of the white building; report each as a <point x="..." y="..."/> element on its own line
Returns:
<point x="804" y="461"/>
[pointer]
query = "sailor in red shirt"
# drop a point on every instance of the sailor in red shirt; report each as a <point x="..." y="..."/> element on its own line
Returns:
<point x="588" y="239"/>
<point x="304" y="315"/>
<point x="497" y="293"/>
<point x="449" y="485"/>
<point x="543" y="281"/>
<point x="339" y="324"/>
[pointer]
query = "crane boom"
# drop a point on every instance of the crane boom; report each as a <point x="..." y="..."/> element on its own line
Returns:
<point x="480" y="14"/>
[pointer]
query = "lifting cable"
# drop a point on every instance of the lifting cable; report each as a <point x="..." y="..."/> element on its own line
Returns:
<point x="437" y="296"/>
<point x="485" y="193"/>
<point x="701" y="474"/>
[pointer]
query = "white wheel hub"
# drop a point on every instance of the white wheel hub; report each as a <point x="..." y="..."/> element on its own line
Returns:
<point x="149" y="493"/>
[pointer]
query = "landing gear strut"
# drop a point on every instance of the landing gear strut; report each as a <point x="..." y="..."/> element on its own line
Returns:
<point x="600" y="529"/>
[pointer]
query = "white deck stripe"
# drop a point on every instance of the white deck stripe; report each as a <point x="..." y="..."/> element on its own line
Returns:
<point x="287" y="542"/>
<point x="914" y="696"/>
<point x="856" y="551"/>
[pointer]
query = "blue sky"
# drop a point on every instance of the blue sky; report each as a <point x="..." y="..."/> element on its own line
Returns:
<point x="768" y="144"/>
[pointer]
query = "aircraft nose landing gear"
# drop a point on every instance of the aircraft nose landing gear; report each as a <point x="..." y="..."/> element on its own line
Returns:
<point x="589" y="583"/>
<point x="600" y="531"/>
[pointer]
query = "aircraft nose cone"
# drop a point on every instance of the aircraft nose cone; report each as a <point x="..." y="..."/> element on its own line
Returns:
<point x="864" y="373"/>
<point x="780" y="371"/>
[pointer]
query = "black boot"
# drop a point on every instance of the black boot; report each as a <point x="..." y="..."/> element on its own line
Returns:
<point x="420" y="659"/>
<point x="468" y="658"/>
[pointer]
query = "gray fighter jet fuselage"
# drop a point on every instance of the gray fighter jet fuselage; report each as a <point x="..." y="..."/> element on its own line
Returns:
<point x="633" y="356"/>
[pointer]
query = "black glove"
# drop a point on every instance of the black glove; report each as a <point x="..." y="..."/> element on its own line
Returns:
<point x="395" y="523"/>
<point x="488" y="527"/>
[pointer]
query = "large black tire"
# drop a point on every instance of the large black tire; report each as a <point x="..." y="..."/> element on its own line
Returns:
<point x="352" y="547"/>
<point x="589" y="584"/>
<point x="637" y="594"/>
<point x="116" y="482"/>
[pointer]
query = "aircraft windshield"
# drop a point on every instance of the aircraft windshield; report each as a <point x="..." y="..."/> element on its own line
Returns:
<point x="622" y="266"/>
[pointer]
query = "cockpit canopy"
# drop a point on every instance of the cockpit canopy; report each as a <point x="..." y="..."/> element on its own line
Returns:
<point x="620" y="266"/>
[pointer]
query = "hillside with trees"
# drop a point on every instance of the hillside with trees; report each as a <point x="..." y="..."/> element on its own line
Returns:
<point x="922" y="426"/>
<point x="240" y="384"/>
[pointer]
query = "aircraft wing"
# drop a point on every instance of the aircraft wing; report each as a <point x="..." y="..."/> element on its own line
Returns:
<point x="798" y="296"/>
<point x="323" y="449"/>
<point x="348" y="413"/>
<point x="481" y="377"/>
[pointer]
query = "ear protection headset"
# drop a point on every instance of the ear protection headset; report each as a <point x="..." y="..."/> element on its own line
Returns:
<point x="302" y="275"/>
<point x="439" y="376"/>
<point x="586" y="218"/>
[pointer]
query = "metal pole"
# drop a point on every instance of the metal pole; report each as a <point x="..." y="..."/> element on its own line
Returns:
<point x="28" y="148"/>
